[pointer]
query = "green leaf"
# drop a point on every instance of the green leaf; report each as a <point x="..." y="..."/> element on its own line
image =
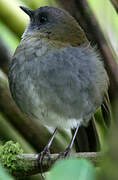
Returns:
<point x="72" y="169"/>
<point x="4" y="175"/>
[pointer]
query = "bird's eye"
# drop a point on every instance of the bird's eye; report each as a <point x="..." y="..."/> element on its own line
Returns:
<point x="43" y="19"/>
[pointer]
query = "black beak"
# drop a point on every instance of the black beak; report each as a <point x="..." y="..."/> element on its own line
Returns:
<point x="27" y="11"/>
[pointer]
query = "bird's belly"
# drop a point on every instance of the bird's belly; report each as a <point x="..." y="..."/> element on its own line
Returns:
<point x="50" y="118"/>
<point x="32" y="105"/>
<point x="48" y="111"/>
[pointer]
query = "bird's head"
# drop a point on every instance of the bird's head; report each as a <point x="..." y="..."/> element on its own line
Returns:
<point x="55" y="24"/>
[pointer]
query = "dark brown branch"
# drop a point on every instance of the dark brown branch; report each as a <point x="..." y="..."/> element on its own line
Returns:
<point x="115" y="4"/>
<point x="4" y="57"/>
<point x="28" y="163"/>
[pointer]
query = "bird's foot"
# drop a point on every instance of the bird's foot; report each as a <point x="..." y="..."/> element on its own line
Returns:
<point x="46" y="152"/>
<point x="64" y="154"/>
<point x="41" y="155"/>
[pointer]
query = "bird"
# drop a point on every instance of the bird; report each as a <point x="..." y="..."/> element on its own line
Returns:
<point x="55" y="75"/>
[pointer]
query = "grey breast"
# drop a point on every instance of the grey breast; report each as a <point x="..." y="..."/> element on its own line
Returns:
<point x="70" y="82"/>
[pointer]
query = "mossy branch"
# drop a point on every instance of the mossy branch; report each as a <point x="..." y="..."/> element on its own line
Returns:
<point x="19" y="164"/>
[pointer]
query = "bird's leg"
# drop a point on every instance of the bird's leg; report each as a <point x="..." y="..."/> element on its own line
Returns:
<point x="46" y="151"/>
<point x="68" y="149"/>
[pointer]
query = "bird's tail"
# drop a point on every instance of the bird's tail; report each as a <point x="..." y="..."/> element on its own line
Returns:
<point x="87" y="139"/>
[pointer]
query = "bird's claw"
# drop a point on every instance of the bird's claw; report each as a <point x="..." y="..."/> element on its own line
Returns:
<point x="64" y="154"/>
<point x="45" y="152"/>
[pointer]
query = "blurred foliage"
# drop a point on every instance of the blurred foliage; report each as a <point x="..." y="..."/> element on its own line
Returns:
<point x="72" y="169"/>
<point x="102" y="129"/>
<point x="36" y="4"/>
<point x="4" y="175"/>
<point x="10" y="13"/>
<point x="107" y="18"/>
<point x="9" y="37"/>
